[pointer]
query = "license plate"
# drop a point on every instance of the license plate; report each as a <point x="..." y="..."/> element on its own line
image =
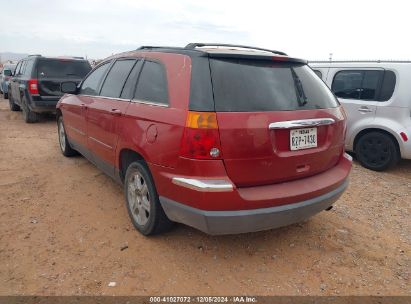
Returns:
<point x="303" y="138"/>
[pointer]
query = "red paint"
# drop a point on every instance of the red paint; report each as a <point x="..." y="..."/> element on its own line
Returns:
<point x="404" y="136"/>
<point x="258" y="161"/>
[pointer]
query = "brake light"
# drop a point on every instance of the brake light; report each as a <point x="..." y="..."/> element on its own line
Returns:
<point x="33" y="86"/>
<point x="201" y="138"/>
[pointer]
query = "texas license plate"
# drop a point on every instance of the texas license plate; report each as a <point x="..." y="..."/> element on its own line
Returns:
<point x="303" y="138"/>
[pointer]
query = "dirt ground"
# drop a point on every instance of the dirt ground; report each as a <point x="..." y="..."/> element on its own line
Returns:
<point x="64" y="228"/>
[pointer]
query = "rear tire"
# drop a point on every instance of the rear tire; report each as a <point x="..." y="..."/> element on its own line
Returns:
<point x="28" y="115"/>
<point x="12" y="105"/>
<point x="377" y="151"/>
<point x="143" y="204"/>
<point x="6" y="95"/>
<point x="64" y="143"/>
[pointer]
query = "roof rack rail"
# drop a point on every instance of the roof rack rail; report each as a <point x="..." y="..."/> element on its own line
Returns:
<point x="143" y="47"/>
<point x="192" y="46"/>
<point x="35" y="55"/>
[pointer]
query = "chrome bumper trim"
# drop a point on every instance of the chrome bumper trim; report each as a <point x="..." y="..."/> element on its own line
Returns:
<point x="205" y="185"/>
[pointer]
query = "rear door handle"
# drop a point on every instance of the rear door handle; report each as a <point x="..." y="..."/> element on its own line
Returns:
<point x="364" y="110"/>
<point x="83" y="106"/>
<point x="116" y="112"/>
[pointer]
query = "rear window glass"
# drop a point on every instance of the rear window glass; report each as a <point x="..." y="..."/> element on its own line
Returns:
<point x="62" y="68"/>
<point x="252" y="86"/>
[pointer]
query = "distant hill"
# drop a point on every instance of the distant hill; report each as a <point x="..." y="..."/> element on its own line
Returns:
<point x="6" y="56"/>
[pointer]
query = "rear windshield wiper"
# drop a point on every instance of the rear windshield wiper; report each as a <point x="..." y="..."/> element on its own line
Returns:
<point x="301" y="98"/>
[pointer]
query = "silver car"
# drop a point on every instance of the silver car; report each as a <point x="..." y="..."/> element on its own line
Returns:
<point x="5" y="76"/>
<point x="376" y="96"/>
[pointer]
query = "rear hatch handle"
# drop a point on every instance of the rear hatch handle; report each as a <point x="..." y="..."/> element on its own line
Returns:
<point x="290" y="124"/>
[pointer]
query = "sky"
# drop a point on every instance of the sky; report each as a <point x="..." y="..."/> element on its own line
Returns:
<point x="309" y="29"/>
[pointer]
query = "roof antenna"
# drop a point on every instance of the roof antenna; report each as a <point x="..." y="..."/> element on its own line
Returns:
<point x="331" y="57"/>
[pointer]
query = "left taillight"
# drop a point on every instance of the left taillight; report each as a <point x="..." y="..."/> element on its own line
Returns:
<point x="33" y="86"/>
<point x="201" y="139"/>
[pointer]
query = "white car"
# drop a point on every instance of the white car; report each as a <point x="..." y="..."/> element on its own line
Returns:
<point x="376" y="96"/>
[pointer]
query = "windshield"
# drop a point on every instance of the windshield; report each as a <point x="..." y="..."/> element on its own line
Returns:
<point x="62" y="68"/>
<point x="252" y="86"/>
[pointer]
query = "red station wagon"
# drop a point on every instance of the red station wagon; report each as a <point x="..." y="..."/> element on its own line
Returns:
<point x="224" y="138"/>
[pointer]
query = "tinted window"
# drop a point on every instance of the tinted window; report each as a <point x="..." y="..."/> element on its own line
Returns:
<point x="23" y="67"/>
<point x="201" y="90"/>
<point x="347" y="84"/>
<point x="248" y="86"/>
<point x="91" y="83"/>
<point x="319" y="74"/>
<point x="116" y="78"/>
<point x="18" y="68"/>
<point x="128" y="90"/>
<point x="29" y="67"/>
<point x="62" y="68"/>
<point x="388" y="85"/>
<point x="152" y="84"/>
<point x="363" y="84"/>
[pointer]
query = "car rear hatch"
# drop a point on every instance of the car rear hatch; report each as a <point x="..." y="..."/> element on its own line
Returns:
<point x="52" y="72"/>
<point x="277" y="120"/>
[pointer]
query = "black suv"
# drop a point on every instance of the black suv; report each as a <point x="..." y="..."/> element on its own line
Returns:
<point x="35" y="85"/>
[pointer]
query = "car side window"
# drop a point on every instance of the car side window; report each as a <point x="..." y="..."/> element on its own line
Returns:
<point x="17" y="71"/>
<point x="130" y="85"/>
<point x="29" y="67"/>
<point x="91" y="84"/>
<point x="116" y="77"/>
<point x="23" y="67"/>
<point x="370" y="85"/>
<point x="318" y="73"/>
<point x="357" y="84"/>
<point x="152" y="84"/>
<point x="387" y="86"/>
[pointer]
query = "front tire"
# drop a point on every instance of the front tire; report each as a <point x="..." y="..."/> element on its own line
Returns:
<point x="143" y="204"/>
<point x="65" y="147"/>
<point x="377" y="151"/>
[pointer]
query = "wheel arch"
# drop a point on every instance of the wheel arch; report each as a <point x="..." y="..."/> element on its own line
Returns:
<point x="368" y="130"/>
<point x="125" y="157"/>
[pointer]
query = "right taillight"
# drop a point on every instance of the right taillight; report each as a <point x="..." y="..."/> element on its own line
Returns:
<point x="201" y="139"/>
<point x="33" y="86"/>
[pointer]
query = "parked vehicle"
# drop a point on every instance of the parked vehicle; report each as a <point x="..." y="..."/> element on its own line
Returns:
<point x="226" y="139"/>
<point x="35" y="85"/>
<point x="377" y="99"/>
<point x="5" y="75"/>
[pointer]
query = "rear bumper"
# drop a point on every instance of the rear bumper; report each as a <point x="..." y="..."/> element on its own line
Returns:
<point x="242" y="221"/>
<point x="41" y="104"/>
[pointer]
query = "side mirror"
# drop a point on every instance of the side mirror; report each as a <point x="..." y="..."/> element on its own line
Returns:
<point x="68" y="87"/>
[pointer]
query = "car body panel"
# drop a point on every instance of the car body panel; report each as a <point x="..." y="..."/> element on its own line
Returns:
<point x="392" y="116"/>
<point x="154" y="132"/>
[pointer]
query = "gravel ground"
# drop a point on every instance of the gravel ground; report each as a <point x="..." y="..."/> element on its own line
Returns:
<point x="64" y="230"/>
